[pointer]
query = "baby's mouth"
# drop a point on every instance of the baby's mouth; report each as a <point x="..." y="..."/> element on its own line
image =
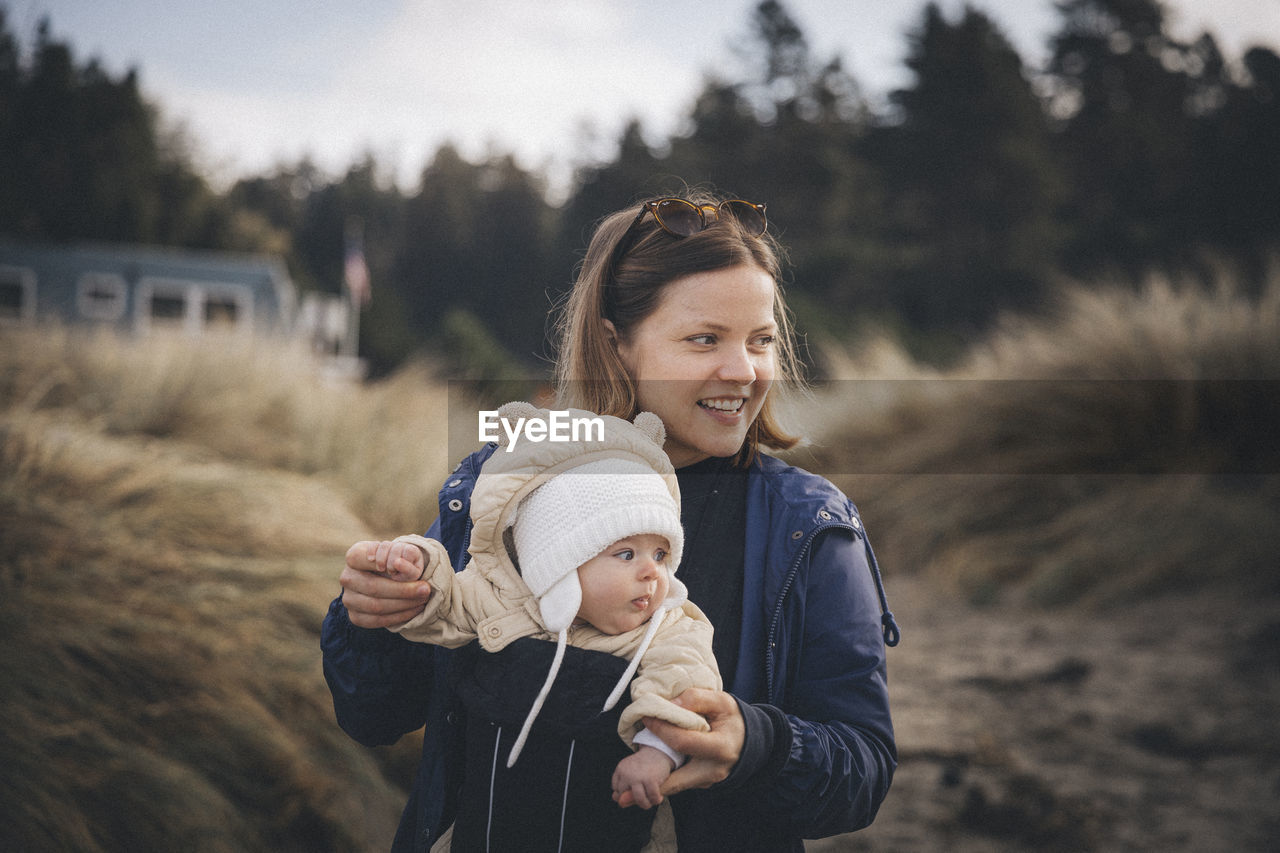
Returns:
<point x="641" y="603"/>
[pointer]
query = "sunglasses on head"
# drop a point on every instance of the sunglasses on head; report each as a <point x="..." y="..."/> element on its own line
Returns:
<point x="682" y="218"/>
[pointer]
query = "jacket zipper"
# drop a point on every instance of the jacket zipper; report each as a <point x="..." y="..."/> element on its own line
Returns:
<point x="782" y="597"/>
<point x="466" y="543"/>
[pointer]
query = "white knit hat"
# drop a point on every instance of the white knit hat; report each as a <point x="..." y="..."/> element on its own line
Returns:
<point x="572" y="518"/>
<point x="576" y="515"/>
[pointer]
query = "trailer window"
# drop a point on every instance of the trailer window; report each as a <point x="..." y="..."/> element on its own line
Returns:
<point x="101" y="296"/>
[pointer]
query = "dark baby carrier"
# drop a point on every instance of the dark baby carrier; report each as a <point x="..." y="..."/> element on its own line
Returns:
<point x="558" y="795"/>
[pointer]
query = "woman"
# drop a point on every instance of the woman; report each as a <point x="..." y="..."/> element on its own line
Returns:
<point x="677" y="311"/>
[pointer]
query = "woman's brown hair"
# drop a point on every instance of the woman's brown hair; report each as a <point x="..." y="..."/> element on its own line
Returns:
<point x="590" y="374"/>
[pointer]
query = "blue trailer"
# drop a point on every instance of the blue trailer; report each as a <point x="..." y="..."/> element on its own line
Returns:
<point x="140" y="289"/>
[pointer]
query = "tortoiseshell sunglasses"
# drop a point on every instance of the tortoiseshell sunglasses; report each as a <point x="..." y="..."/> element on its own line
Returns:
<point x="682" y="218"/>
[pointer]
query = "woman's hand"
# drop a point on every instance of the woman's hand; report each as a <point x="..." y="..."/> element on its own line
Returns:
<point x="373" y="596"/>
<point x="711" y="754"/>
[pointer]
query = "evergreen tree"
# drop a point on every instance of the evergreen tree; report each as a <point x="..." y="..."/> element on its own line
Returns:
<point x="1236" y="180"/>
<point x="971" y="183"/>
<point x="1123" y="95"/>
<point x="786" y="135"/>
<point x="477" y="236"/>
<point x="81" y="156"/>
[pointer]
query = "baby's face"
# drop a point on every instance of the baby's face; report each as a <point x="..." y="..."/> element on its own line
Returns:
<point x="625" y="583"/>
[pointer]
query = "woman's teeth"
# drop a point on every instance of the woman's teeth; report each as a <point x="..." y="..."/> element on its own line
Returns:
<point x="722" y="405"/>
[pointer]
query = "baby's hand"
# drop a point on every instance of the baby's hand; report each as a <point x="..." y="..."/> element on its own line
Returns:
<point x="400" y="561"/>
<point x="642" y="774"/>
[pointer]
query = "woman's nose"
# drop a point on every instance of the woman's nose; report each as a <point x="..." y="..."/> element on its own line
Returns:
<point x="737" y="367"/>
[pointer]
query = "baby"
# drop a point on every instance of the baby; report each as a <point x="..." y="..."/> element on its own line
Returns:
<point x="573" y="555"/>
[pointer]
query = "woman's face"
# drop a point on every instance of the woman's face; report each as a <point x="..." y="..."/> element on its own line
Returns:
<point x="704" y="359"/>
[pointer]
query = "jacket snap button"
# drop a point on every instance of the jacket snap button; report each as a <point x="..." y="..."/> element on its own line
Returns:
<point x="455" y="504"/>
<point x="453" y="483"/>
<point x="495" y="631"/>
<point x="797" y="534"/>
<point x="855" y="522"/>
<point x="824" y="515"/>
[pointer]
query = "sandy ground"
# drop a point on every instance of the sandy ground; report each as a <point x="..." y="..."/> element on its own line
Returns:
<point x="1149" y="727"/>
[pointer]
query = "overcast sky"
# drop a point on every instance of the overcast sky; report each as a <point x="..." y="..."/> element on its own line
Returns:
<point x="257" y="82"/>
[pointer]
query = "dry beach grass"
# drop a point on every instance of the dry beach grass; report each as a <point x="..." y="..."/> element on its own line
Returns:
<point x="173" y="518"/>
<point x="1090" y="647"/>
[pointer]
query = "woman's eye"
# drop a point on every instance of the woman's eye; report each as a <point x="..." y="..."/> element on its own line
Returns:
<point x="765" y="341"/>
<point x="703" y="340"/>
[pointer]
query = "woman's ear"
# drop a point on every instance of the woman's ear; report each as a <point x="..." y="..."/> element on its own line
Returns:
<point x="611" y="331"/>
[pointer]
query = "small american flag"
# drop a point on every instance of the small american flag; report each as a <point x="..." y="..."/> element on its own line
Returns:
<point x="355" y="272"/>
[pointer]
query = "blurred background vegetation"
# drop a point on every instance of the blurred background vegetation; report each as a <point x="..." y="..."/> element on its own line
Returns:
<point x="975" y="190"/>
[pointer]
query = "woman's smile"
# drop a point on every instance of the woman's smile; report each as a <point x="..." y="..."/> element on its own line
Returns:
<point x="728" y="407"/>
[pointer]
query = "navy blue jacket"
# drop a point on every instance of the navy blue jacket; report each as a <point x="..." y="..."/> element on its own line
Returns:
<point x="810" y="678"/>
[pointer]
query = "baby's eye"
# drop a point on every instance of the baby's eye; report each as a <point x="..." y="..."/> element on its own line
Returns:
<point x="625" y="554"/>
<point x="659" y="556"/>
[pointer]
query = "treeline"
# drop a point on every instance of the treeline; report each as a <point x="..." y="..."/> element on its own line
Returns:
<point x="971" y="191"/>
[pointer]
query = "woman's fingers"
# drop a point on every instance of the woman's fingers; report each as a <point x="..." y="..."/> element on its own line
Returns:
<point x="375" y="601"/>
<point x="712" y="754"/>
